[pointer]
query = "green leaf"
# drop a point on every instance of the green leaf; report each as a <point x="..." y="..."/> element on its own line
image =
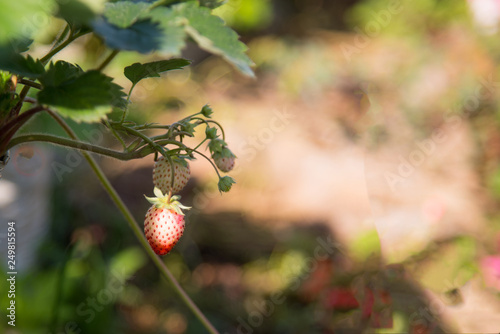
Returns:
<point x="207" y="30"/>
<point x="15" y="63"/>
<point x="125" y="13"/>
<point x="85" y="115"/>
<point x="136" y="72"/>
<point x="225" y="183"/>
<point x="212" y="3"/>
<point x="171" y="23"/>
<point x="143" y="37"/>
<point x="211" y="34"/>
<point x="86" y="97"/>
<point x="74" y="12"/>
<point x="59" y="72"/>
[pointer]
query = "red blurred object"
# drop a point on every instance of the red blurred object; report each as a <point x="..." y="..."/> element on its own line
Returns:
<point x="367" y="304"/>
<point x="422" y="328"/>
<point x="317" y="281"/>
<point x="341" y="298"/>
<point x="377" y="306"/>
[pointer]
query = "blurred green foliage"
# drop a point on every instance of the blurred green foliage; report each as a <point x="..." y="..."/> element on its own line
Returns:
<point x="246" y="15"/>
<point x="409" y="18"/>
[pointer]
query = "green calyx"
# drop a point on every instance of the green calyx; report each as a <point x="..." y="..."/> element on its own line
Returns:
<point x="219" y="149"/>
<point x="224" y="153"/>
<point x="206" y="111"/>
<point x="167" y="202"/>
<point x="225" y="183"/>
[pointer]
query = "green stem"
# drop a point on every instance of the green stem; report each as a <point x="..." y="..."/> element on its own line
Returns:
<point x="124" y="115"/>
<point x="45" y="59"/>
<point x="138" y="232"/>
<point x="172" y="135"/>
<point x="79" y="145"/>
<point x="64" y="33"/>
<point x="146" y="139"/>
<point x="108" y="60"/>
<point x="209" y="160"/>
<point x="204" y="140"/>
<point x="30" y="83"/>
<point x="86" y="147"/>
<point x="115" y="134"/>
<point x="206" y="121"/>
<point x="22" y="95"/>
<point x="8" y="130"/>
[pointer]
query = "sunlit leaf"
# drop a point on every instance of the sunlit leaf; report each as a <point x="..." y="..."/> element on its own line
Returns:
<point x="87" y="97"/>
<point x="15" y="63"/>
<point x="211" y="34"/>
<point x="123" y="14"/>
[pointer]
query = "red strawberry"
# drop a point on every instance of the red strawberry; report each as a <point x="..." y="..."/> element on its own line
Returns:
<point x="162" y="174"/>
<point x="224" y="160"/>
<point x="164" y="222"/>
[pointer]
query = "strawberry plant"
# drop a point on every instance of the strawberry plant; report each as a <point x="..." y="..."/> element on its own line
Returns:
<point x="32" y="85"/>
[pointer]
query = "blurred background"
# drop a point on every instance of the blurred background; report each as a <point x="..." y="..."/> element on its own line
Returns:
<point x="368" y="182"/>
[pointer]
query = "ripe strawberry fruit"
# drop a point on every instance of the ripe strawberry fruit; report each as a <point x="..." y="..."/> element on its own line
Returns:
<point x="224" y="160"/>
<point x="162" y="174"/>
<point x="164" y="222"/>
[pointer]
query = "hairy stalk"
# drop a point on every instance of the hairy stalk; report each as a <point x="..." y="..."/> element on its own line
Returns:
<point x="106" y="122"/>
<point x="79" y="145"/>
<point x="86" y="147"/>
<point x="138" y="232"/>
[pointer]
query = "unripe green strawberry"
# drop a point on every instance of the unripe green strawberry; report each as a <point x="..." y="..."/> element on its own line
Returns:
<point x="164" y="222"/>
<point x="224" y="160"/>
<point x="162" y="174"/>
